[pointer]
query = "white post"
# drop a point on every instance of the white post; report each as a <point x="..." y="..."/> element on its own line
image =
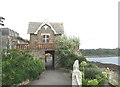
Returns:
<point x="76" y="75"/>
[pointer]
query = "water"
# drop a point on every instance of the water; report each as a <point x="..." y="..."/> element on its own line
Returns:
<point x="109" y="60"/>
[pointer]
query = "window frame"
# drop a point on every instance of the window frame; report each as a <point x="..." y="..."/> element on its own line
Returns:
<point x="45" y="38"/>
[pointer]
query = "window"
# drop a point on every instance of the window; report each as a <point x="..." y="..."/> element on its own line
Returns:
<point x="46" y="38"/>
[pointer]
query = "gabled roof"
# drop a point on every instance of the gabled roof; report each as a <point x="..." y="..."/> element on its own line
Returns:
<point x="34" y="26"/>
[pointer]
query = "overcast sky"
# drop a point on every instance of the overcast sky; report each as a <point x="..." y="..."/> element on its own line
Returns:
<point x="95" y="22"/>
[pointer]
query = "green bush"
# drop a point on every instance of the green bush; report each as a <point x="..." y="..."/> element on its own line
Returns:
<point x="103" y="79"/>
<point x="90" y="70"/>
<point x="93" y="82"/>
<point x="90" y="83"/>
<point x="67" y="58"/>
<point x="84" y="82"/>
<point x="90" y="65"/>
<point x="83" y="64"/>
<point x="18" y="66"/>
<point x="93" y="76"/>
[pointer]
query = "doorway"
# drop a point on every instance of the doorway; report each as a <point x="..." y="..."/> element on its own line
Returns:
<point x="49" y="59"/>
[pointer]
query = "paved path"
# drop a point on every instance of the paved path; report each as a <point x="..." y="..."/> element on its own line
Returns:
<point x="53" y="77"/>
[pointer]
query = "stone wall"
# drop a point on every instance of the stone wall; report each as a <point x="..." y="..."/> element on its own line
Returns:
<point x="8" y="38"/>
<point x="6" y="42"/>
<point x="47" y="31"/>
<point x="38" y="54"/>
<point x="33" y="38"/>
<point x="56" y="61"/>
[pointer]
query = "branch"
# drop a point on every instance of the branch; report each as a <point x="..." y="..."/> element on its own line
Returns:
<point x="2" y="18"/>
<point x="1" y="24"/>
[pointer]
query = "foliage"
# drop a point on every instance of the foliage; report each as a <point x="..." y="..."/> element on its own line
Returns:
<point x="90" y="72"/>
<point x="90" y="65"/>
<point x="93" y="82"/>
<point x="93" y="76"/>
<point x="83" y="63"/>
<point x="68" y="51"/>
<point x="116" y="84"/>
<point x="18" y="66"/>
<point x="103" y="78"/>
<point x="84" y="82"/>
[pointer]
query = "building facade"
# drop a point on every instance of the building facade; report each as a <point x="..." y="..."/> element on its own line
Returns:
<point x="7" y="38"/>
<point x="42" y="39"/>
<point x="44" y="32"/>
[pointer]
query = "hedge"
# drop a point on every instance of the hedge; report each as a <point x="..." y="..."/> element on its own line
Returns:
<point x="18" y="66"/>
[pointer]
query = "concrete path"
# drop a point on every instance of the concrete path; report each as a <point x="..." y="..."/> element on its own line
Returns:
<point x="53" y="77"/>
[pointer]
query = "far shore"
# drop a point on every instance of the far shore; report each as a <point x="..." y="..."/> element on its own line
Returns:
<point x="113" y="67"/>
<point x="98" y="56"/>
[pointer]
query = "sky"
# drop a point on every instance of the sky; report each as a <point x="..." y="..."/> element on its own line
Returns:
<point x="95" y="22"/>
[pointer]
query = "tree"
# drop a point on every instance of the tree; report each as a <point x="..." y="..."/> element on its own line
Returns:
<point x="67" y="52"/>
<point x="1" y="21"/>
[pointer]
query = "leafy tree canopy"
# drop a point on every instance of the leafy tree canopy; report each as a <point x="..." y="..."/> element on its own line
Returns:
<point x="68" y="51"/>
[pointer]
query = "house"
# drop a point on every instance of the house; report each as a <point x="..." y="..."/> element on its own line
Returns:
<point x="10" y="38"/>
<point x="7" y="38"/>
<point x="44" y="32"/>
<point x="42" y="39"/>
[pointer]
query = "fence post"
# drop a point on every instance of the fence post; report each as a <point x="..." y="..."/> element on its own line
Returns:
<point x="76" y="75"/>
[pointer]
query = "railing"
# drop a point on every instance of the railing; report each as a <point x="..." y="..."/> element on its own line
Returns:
<point x="22" y="46"/>
<point x="46" y="46"/>
<point x="76" y="75"/>
<point x="41" y="46"/>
